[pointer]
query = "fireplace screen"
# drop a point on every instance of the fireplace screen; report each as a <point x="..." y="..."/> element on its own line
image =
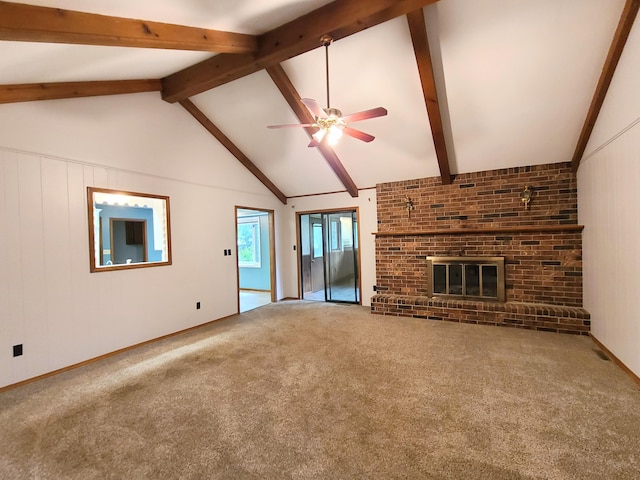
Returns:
<point x="467" y="277"/>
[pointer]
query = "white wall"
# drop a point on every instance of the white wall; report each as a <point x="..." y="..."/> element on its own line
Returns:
<point x="49" y="153"/>
<point x="366" y="204"/>
<point x="609" y="208"/>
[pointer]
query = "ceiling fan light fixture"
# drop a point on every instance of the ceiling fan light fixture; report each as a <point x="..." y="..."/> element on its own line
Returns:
<point x="333" y="112"/>
<point x="333" y="134"/>
<point x="319" y="135"/>
<point x="329" y="121"/>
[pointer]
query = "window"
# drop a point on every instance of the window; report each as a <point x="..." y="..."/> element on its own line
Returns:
<point x="127" y="230"/>
<point x="335" y="235"/>
<point x="249" y="242"/>
<point x="318" y="250"/>
<point x="346" y="227"/>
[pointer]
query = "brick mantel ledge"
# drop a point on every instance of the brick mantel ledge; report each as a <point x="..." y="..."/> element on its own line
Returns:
<point x="489" y="230"/>
<point x="532" y="316"/>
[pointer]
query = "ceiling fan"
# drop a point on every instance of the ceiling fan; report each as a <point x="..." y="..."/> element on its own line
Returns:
<point x="329" y="121"/>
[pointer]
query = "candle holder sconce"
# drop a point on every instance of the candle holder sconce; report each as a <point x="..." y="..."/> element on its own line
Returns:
<point x="526" y="196"/>
<point x="409" y="206"/>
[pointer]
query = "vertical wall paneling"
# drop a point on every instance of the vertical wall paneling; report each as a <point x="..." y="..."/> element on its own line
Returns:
<point x="43" y="267"/>
<point x="79" y="262"/>
<point x="608" y="180"/>
<point x="5" y="335"/>
<point x="609" y="210"/>
<point x="100" y="178"/>
<point x="36" y="344"/>
<point x="105" y="302"/>
<point x="126" y="181"/>
<point x="12" y="324"/>
<point x="95" y="333"/>
<point x="57" y="263"/>
<point x="119" y="316"/>
<point x="112" y="179"/>
<point x="62" y="313"/>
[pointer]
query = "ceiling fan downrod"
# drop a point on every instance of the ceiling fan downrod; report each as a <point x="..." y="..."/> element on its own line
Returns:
<point x="326" y="41"/>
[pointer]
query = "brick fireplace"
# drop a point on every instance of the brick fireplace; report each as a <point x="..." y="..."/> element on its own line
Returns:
<point x="482" y="215"/>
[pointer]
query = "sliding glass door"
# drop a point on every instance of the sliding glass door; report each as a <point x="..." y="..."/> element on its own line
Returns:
<point x="329" y="256"/>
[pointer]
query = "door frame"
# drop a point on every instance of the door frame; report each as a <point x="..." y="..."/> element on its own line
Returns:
<point x="299" y="246"/>
<point x="316" y="262"/>
<point x="112" y="220"/>
<point x="272" y="250"/>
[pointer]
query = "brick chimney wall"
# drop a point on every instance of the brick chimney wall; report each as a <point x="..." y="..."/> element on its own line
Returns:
<point x="541" y="267"/>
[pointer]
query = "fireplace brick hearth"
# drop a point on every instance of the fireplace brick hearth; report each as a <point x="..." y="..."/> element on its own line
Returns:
<point x="481" y="214"/>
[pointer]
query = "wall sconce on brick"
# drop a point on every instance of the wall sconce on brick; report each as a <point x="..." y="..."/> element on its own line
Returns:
<point x="409" y="205"/>
<point x="526" y="196"/>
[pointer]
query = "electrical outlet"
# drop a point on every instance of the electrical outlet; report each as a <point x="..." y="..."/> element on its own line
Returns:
<point x="17" y="350"/>
<point x="197" y="305"/>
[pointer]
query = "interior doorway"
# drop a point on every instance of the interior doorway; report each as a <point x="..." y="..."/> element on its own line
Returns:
<point x="329" y="256"/>
<point x="255" y="254"/>
<point x="128" y="240"/>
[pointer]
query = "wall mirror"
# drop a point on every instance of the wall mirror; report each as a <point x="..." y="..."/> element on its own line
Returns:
<point x="127" y="230"/>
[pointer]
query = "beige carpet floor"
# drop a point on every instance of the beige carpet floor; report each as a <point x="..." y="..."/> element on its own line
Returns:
<point x="305" y="390"/>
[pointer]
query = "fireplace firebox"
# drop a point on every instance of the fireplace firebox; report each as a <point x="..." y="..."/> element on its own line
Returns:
<point x="478" y="278"/>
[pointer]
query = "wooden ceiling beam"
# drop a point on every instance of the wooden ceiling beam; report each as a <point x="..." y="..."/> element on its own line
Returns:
<point x="340" y="19"/>
<point x="420" y="41"/>
<point x="30" y="92"/>
<point x="28" y="23"/>
<point x="190" y="107"/>
<point x="629" y="13"/>
<point x="291" y="95"/>
<point x="288" y="91"/>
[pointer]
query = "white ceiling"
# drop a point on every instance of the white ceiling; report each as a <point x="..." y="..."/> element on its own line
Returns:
<point x="519" y="76"/>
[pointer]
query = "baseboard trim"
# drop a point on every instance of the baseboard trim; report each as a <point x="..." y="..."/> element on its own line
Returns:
<point x="615" y="359"/>
<point x="107" y="355"/>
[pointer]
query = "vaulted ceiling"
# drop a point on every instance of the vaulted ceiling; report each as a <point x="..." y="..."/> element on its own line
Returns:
<point x="469" y="85"/>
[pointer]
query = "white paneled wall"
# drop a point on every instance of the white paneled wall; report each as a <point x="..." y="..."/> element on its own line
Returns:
<point x="61" y="313"/>
<point x="609" y="208"/>
<point x="49" y="302"/>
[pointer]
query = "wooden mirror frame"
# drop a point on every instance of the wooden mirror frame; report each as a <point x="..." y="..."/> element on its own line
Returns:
<point x="158" y="226"/>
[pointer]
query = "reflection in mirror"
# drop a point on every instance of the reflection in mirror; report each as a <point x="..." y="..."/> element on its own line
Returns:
<point x="127" y="230"/>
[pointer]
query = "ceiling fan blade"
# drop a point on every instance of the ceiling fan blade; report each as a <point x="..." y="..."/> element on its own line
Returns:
<point x="313" y="106"/>
<point x="373" y="113"/>
<point x="352" y="132"/>
<point x="314" y="143"/>
<point x="292" y="125"/>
